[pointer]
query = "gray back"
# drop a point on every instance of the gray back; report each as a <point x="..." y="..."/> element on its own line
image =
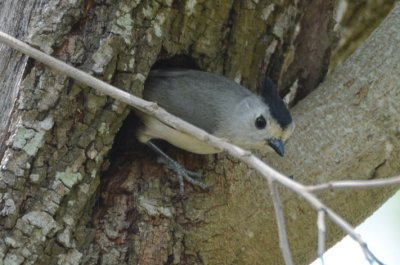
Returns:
<point x="197" y="97"/>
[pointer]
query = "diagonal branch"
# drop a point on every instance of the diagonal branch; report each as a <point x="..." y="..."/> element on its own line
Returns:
<point x="153" y="109"/>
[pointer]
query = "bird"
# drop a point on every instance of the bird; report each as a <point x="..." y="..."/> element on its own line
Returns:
<point x="219" y="106"/>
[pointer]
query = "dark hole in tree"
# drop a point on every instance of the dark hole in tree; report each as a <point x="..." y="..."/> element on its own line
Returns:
<point x="125" y="142"/>
<point x="178" y="61"/>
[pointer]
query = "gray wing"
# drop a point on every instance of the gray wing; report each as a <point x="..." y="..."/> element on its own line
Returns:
<point x="200" y="98"/>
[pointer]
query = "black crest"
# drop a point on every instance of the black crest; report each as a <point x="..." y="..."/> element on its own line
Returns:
<point x="278" y="109"/>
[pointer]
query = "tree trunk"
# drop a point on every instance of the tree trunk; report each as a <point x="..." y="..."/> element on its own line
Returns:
<point x="357" y="20"/>
<point x="67" y="199"/>
<point x="14" y="19"/>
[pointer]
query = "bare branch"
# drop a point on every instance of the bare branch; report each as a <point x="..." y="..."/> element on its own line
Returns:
<point x="321" y="235"/>
<point x="280" y="220"/>
<point x="369" y="256"/>
<point x="152" y="109"/>
<point x="353" y="184"/>
<point x="353" y="234"/>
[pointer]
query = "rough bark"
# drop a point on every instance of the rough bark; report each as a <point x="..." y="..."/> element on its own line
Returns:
<point x="58" y="208"/>
<point x="314" y="41"/>
<point x="11" y="64"/>
<point x="357" y="19"/>
<point x="349" y="129"/>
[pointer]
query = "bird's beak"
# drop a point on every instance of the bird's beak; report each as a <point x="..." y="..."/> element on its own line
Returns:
<point x="277" y="145"/>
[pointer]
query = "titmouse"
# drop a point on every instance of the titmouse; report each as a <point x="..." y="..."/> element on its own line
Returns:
<point x="217" y="105"/>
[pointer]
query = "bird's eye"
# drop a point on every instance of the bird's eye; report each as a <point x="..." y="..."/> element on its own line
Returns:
<point x="260" y="122"/>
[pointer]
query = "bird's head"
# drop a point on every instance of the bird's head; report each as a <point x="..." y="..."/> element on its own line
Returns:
<point x="260" y="122"/>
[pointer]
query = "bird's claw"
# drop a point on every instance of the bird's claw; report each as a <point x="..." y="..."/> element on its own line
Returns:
<point x="184" y="174"/>
<point x="181" y="171"/>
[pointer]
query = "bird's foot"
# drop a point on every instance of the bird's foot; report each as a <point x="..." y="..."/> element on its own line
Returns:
<point x="182" y="173"/>
<point x="185" y="175"/>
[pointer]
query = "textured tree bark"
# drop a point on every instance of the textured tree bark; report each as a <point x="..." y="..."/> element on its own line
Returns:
<point x="12" y="64"/>
<point x="357" y="21"/>
<point x="58" y="207"/>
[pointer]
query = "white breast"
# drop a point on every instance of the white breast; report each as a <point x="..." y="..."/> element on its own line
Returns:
<point x="154" y="129"/>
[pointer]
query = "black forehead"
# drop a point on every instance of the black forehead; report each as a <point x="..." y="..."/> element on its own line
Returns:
<point x="278" y="109"/>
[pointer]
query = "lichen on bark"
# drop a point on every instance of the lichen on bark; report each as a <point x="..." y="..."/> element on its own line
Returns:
<point x="65" y="199"/>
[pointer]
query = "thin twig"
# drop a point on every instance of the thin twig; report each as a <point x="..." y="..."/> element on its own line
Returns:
<point x="152" y="109"/>
<point x="353" y="234"/>
<point x="321" y="235"/>
<point x="280" y="220"/>
<point x="269" y="172"/>
<point x="352" y="184"/>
